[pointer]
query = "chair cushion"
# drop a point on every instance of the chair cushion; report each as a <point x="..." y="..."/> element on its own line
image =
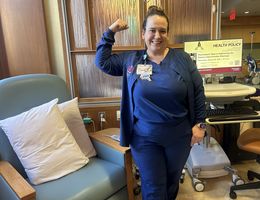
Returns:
<point x="249" y="140"/>
<point x="71" y="115"/>
<point x="43" y="143"/>
<point x="98" y="180"/>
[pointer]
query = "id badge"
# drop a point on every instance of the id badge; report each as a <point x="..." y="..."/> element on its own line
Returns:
<point x="144" y="69"/>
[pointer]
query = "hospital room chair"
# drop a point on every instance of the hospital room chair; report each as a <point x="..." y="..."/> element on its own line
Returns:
<point x="103" y="177"/>
<point x="249" y="141"/>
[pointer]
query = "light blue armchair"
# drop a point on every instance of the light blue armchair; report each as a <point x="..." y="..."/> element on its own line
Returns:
<point x="102" y="178"/>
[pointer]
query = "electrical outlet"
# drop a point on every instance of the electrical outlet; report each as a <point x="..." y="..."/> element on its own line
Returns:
<point x="102" y="116"/>
<point x="118" y="115"/>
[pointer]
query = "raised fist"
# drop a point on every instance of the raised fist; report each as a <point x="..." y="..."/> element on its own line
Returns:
<point x="118" y="25"/>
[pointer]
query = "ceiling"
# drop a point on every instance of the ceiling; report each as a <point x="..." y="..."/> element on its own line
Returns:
<point x="253" y="6"/>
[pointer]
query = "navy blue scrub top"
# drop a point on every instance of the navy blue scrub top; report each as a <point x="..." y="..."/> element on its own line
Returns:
<point x="163" y="100"/>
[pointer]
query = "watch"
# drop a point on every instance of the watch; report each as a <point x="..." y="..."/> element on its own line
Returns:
<point x="202" y="125"/>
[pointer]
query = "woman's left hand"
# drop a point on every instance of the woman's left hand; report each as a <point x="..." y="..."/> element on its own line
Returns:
<point x="197" y="135"/>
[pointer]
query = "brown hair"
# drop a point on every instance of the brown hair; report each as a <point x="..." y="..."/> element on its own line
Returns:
<point x="154" y="10"/>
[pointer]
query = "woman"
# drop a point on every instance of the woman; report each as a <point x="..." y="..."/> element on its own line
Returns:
<point x="162" y="107"/>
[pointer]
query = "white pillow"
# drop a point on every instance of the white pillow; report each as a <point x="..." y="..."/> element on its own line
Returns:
<point x="71" y="115"/>
<point x="43" y="143"/>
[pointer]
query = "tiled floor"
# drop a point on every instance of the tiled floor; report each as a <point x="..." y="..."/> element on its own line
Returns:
<point x="218" y="188"/>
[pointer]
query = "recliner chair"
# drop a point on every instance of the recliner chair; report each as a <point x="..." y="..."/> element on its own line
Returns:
<point x="102" y="178"/>
<point x="248" y="141"/>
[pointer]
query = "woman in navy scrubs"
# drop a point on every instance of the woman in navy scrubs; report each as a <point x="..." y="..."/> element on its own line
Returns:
<point x="162" y="106"/>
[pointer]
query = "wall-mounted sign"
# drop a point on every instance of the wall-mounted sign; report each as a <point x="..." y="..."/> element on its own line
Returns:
<point x="216" y="56"/>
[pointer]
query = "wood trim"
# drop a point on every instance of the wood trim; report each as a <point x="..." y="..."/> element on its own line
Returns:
<point x="75" y="75"/>
<point x="89" y="25"/>
<point x="177" y="45"/>
<point x="4" y="72"/>
<point x="46" y="35"/>
<point x="101" y="136"/>
<point x="70" y="24"/>
<point x="166" y="8"/>
<point x="100" y="99"/>
<point x="64" y="46"/>
<point x="214" y="19"/>
<point x="141" y="17"/>
<point x="18" y="184"/>
<point x="117" y="48"/>
<point x="129" y="175"/>
<point x="121" y="49"/>
<point x="114" y="48"/>
<point x="92" y="36"/>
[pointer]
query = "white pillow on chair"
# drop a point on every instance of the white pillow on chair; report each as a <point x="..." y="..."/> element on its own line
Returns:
<point x="71" y="115"/>
<point x="44" y="143"/>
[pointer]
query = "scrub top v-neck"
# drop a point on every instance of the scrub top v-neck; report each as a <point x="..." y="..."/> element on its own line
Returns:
<point x="163" y="100"/>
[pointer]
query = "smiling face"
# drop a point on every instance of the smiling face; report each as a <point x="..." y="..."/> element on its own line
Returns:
<point x="155" y="34"/>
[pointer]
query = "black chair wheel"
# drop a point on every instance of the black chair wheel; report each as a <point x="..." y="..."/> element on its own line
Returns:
<point x="232" y="195"/>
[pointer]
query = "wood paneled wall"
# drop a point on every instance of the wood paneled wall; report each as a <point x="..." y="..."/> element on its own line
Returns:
<point x="87" y="19"/>
<point x="241" y="28"/>
<point x="23" y="38"/>
<point x="189" y="20"/>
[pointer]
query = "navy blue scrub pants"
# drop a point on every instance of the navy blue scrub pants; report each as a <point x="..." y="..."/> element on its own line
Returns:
<point x="160" y="159"/>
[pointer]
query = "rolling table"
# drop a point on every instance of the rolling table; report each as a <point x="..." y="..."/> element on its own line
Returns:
<point x="207" y="159"/>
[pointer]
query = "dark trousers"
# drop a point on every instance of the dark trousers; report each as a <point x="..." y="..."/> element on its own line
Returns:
<point x="160" y="161"/>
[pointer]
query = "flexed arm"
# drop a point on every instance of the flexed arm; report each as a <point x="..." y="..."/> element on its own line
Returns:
<point x="106" y="61"/>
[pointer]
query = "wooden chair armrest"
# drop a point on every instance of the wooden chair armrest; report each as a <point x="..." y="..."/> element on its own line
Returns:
<point x="16" y="182"/>
<point x="102" y="136"/>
